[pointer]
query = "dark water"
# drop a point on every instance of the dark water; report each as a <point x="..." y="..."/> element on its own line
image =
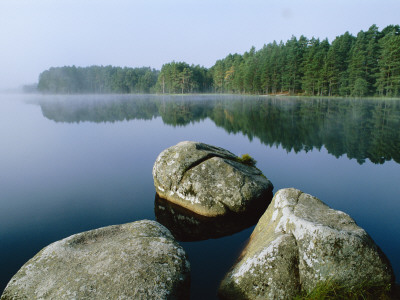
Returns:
<point x="70" y="164"/>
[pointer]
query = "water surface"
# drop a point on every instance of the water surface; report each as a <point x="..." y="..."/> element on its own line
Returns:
<point x="75" y="163"/>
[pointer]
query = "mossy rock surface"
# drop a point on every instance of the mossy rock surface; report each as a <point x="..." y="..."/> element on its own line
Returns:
<point x="139" y="260"/>
<point x="208" y="180"/>
<point x="300" y="243"/>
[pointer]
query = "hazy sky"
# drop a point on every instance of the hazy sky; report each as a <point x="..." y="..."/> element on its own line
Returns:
<point x="38" y="34"/>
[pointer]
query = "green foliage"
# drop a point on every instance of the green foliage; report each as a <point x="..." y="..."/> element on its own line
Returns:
<point x="179" y="77"/>
<point x="388" y="78"/>
<point x="247" y="160"/>
<point x="336" y="65"/>
<point x="332" y="290"/>
<point x="97" y="79"/>
<point x="366" y="65"/>
<point x="313" y="68"/>
<point x="360" y="88"/>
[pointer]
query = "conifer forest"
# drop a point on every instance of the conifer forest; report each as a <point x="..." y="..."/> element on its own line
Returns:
<point x="367" y="64"/>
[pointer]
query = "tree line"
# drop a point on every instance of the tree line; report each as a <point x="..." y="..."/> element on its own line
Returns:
<point x="364" y="65"/>
<point x="97" y="79"/>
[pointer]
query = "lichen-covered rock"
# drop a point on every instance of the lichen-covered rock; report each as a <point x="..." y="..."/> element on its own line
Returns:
<point x="138" y="260"/>
<point x="209" y="181"/>
<point x="300" y="242"/>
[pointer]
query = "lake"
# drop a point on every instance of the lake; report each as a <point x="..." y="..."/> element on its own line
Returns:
<point x="74" y="163"/>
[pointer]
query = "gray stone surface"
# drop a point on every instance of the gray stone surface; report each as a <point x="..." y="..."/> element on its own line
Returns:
<point x="300" y="242"/>
<point x="138" y="260"/>
<point x="208" y="180"/>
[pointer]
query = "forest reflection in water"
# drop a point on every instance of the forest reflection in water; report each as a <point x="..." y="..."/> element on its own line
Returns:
<point x="359" y="128"/>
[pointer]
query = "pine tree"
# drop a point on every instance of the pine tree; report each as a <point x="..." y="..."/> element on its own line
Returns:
<point x="313" y="67"/>
<point x="364" y="59"/>
<point x="388" y="82"/>
<point x="336" y="65"/>
<point x="294" y="51"/>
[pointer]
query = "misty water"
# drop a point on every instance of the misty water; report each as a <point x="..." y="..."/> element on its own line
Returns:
<point x="74" y="163"/>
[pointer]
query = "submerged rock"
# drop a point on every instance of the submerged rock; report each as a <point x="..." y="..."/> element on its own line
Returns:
<point x="209" y="181"/>
<point x="299" y="243"/>
<point x="138" y="260"/>
<point x="188" y="226"/>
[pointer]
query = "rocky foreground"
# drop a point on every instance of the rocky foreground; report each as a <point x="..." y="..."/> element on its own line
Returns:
<point x="203" y="191"/>
<point x="138" y="260"/>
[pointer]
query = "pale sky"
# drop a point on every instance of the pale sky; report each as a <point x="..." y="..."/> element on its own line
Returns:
<point x="38" y="34"/>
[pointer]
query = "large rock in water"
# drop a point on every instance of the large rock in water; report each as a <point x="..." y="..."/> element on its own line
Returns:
<point x="300" y="242"/>
<point x="209" y="181"/>
<point x="138" y="260"/>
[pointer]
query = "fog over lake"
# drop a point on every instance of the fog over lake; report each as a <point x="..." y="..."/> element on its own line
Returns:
<point x="75" y="163"/>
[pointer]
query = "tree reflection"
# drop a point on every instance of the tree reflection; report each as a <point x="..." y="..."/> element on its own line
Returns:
<point x="361" y="129"/>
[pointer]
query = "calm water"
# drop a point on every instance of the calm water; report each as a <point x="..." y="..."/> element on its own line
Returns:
<point x="70" y="164"/>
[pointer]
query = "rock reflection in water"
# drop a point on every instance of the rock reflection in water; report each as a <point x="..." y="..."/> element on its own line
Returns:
<point x="187" y="226"/>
